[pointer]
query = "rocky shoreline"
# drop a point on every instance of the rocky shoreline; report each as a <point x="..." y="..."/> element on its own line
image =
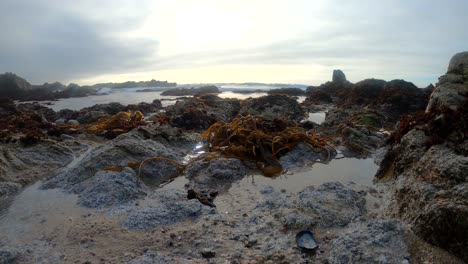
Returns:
<point x="111" y="204"/>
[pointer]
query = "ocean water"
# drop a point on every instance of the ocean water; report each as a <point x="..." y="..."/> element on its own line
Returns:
<point x="129" y="96"/>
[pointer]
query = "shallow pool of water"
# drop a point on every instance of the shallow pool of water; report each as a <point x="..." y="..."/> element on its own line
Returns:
<point x="34" y="212"/>
<point x="345" y="170"/>
<point x="317" y="117"/>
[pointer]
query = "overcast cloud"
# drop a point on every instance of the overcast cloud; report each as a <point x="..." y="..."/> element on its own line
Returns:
<point x="52" y="40"/>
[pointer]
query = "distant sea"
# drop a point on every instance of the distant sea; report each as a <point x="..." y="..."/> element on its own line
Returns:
<point x="127" y="96"/>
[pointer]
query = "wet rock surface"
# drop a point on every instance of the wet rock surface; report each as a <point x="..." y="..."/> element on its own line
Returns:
<point x="130" y="147"/>
<point x="378" y="241"/>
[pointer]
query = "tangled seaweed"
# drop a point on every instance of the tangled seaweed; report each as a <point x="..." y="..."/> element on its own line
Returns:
<point x="117" y="124"/>
<point x="251" y="138"/>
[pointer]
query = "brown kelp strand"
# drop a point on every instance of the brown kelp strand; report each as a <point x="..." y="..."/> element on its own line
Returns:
<point x="262" y="141"/>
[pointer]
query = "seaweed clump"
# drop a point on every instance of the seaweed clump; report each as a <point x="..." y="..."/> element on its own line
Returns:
<point x="262" y="141"/>
<point x="117" y="124"/>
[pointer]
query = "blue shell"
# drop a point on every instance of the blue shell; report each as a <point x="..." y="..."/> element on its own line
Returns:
<point x="306" y="240"/>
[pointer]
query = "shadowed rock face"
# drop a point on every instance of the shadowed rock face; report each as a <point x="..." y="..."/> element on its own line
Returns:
<point x="13" y="86"/>
<point x="430" y="163"/>
<point x="338" y="76"/>
<point x="273" y="106"/>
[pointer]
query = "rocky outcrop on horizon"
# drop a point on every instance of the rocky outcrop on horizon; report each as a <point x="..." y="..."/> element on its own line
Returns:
<point x="191" y="91"/>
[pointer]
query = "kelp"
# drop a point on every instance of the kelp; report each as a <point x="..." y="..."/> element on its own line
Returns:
<point x="262" y="141"/>
<point x="117" y="124"/>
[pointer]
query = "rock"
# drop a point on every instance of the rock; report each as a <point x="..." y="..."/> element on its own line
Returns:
<point x="8" y="188"/>
<point x="60" y="121"/>
<point x="208" y="253"/>
<point x="13" y="86"/>
<point x="428" y="163"/>
<point x="151" y="257"/>
<point x="73" y="122"/>
<point x="67" y="114"/>
<point x="108" y="188"/>
<point x="173" y="208"/>
<point x="288" y="91"/>
<point x="338" y="76"/>
<point x="217" y="174"/>
<point x="459" y="64"/>
<point x="66" y="137"/>
<point x="130" y="147"/>
<point x="331" y="204"/>
<point x="8" y="255"/>
<point x="447" y="95"/>
<point x="317" y="96"/>
<point x="24" y="165"/>
<point x="378" y="241"/>
<point x="87" y="117"/>
<point x="365" y="92"/>
<point x="192" y="91"/>
<point x="303" y="154"/>
<point x="272" y="107"/>
<point x="145" y="108"/>
<point x="110" y="108"/>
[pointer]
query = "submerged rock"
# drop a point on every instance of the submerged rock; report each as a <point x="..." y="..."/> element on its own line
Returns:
<point x="378" y="241"/>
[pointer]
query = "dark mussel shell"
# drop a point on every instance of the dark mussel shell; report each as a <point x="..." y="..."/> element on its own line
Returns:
<point x="305" y="240"/>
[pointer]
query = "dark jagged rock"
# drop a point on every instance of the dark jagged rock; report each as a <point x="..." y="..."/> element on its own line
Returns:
<point x="428" y="160"/>
<point x="191" y="91"/>
<point x="13" y="86"/>
<point x="365" y="92"/>
<point x="273" y="107"/>
<point x="317" y="96"/>
<point x="288" y="91"/>
<point x="145" y="108"/>
<point x="201" y="112"/>
<point x="338" y="76"/>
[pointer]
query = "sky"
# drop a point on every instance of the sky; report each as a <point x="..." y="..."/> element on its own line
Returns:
<point x="214" y="41"/>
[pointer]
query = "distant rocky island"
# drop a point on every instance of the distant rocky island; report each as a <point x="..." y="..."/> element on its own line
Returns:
<point x="17" y="88"/>
<point x="191" y="91"/>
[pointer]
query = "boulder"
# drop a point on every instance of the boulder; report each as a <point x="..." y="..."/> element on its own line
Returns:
<point x="13" y="86"/>
<point x="109" y="188"/>
<point x="273" y="107"/>
<point x="459" y="64"/>
<point x="338" y="76"/>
